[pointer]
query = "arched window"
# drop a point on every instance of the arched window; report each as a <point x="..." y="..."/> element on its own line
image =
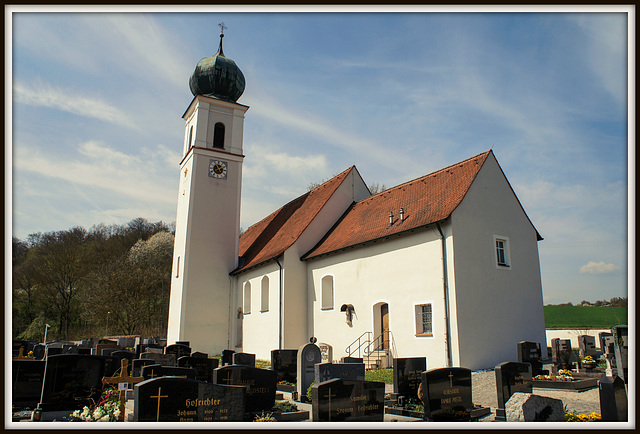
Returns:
<point x="247" y="298"/>
<point x="264" y="296"/>
<point x="218" y="135"/>
<point x="327" y="292"/>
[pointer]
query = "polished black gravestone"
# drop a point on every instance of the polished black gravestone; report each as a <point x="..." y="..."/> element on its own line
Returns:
<point x="123" y="354"/>
<point x="227" y="357"/>
<point x="530" y="352"/>
<point x="340" y="400"/>
<point x="171" y="399"/>
<point x="137" y="364"/>
<point x="613" y="400"/>
<point x="161" y="359"/>
<point x="111" y="365"/>
<point x="511" y="377"/>
<point x="621" y="348"/>
<point x="407" y="375"/>
<point x="447" y="394"/>
<point x="201" y="355"/>
<point x="285" y="364"/>
<point x="203" y="366"/>
<point x="28" y="376"/>
<point x="178" y="350"/>
<point x="154" y="371"/>
<point x="344" y="371"/>
<point x="308" y="356"/>
<point x="245" y="359"/>
<point x="260" y="384"/>
<point x="587" y="346"/>
<point x="71" y="381"/>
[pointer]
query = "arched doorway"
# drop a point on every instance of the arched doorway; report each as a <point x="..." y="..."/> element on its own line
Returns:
<point x="381" y="329"/>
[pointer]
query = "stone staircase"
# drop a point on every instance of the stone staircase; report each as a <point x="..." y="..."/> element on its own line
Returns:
<point x="378" y="359"/>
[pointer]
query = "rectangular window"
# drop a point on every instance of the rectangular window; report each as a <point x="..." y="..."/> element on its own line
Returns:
<point x="327" y="292"/>
<point x="502" y="251"/>
<point x="424" y="320"/>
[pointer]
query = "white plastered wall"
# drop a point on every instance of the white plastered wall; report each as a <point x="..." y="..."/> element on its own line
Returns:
<point x="497" y="307"/>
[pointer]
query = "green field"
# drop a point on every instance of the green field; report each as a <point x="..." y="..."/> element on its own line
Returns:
<point x="584" y="317"/>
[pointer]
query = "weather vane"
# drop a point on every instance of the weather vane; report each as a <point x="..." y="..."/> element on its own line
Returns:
<point x="222" y="28"/>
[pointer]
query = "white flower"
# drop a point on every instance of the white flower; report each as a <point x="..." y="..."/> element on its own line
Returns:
<point x="116" y="412"/>
<point x="104" y="418"/>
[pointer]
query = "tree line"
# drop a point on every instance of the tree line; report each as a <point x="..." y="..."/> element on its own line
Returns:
<point x="613" y="302"/>
<point x="79" y="280"/>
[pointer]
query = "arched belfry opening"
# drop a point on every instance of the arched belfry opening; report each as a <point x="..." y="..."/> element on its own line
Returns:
<point x="218" y="135"/>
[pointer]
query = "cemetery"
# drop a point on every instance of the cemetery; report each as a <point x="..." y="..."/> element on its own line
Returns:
<point x="155" y="382"/>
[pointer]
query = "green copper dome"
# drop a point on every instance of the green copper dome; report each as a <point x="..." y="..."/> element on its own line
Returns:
<point x="218" y="77"/>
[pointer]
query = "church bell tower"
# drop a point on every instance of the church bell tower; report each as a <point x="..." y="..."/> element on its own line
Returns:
<point x="208" y="216"/>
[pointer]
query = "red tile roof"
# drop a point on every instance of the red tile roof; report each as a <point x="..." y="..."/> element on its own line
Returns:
<point x="270" y="237"/>
<point x="425" y="200"/>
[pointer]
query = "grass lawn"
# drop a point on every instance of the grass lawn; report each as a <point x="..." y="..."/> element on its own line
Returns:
<point x="584" y="316"/>
<point x="384" y="375"/>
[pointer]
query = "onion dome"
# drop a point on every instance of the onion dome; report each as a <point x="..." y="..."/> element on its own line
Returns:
<point x="217" y="77"/>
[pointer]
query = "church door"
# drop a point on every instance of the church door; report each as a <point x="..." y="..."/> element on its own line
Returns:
<point x="384" y="316"/>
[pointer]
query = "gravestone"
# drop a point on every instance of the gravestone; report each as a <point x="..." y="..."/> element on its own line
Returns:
<point x="351" y="360"/>
<point x="327" y="352"/>
<point x="201" y="355"/>
<point x="127" y="341"/>
<point x="530" y="352"/>
<point x="447" y="394"/>
<point x="407" y="375"/>
<point x="178" y="350"/>
<point x="607" y="347"/>
<point x="344" y="371"/>
<point x="100" y="348"/>
<point x="171" y="399"/>
<point x="511" y="377"/>
<point x="613" y="400"/>
<point x="111" y="365"/>
<point x="28" y="376"/>
<point x="308" y="356"/>
<point x="563" y="356"/>
<point x="203" y="366"/>
<point x="39" y="352"/>
<point x="185" y="343"/>
<point x="587" y="346"/>
<point x="122" y="354"/>
<point x="53" y="350"/>
<point x="260" y="384"/>
<point x="154" y="371"/>
<point x="340" y="400"/>
<point x="621" y="347"/>
<point x="285" y="364"/>
<point x="71" y="381"/>
<point x="526" y="407"/>
<point x="107" y="342"/>
<point x="137" y="364"/>
<point x="17" y="345"/>
<point x="227" y="357"/>
<point x="154" y="350"/>
<point x="245" y="359"/>
<point x="161" y="359"/>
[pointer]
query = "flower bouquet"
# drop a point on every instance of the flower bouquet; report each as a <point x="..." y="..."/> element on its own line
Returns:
<point x="107" y="410"/>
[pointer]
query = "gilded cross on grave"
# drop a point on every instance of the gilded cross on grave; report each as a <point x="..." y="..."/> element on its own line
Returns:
<point x="450" y="379"/>
<point x="122" y="378"/>
<point x="329" y="395"/>
<point x="228" y="379"/>
<point x="159" y="396"/>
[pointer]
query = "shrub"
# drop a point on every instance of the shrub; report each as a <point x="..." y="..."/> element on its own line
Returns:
<point x="309" y="395"/>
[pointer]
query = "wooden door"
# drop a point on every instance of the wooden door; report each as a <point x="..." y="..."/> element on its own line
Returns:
<point x="384" y="315"/>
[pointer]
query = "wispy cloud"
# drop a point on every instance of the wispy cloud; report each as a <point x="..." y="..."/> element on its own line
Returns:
<point x="598" y="268"/>
<point x="41" y="94"/>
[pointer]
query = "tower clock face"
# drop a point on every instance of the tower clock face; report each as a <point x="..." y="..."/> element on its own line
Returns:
<point x="218" y="169"/>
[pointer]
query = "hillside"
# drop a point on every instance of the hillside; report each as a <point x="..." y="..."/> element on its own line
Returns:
<point x="584" y="316"/>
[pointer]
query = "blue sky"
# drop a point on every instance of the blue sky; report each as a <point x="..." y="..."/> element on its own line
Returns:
<point x="97" y="100"/>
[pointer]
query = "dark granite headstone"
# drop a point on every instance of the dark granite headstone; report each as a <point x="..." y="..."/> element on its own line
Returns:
<point x="199" y="354"/>
<point x="285" y="364"/>
<point x="407" y="375"/>
<point x="351" y="360"/>
<point x="613" y="400"/>
<point x="587" y="346"/>
<point x="511" y="377"/>
<point x="245" y="359"/>
<point x="111" y="366"/>
<point x="178" y="350"/>
<point x="345" y="371"/>
<point x="171" y="399"/>
<point x="606" y="342"/>
<point x="154" y="371"/>
<point x="260" y="383"/>
<point x="530" y="352"/>
<point x="27" y="382"/>
<point x="348" y="401"/>
<point x="185" y="343"/>
<point x="71" y="381"/>
<point x="203" y="366"/>
<point x="53" y="351"/>
<point x="121" y="354"/>
<point x="563" y="356"/>
<point x="227" y="357"/>
<point x="447" y="394"/>
<point x="39" y="352"/>
<point x="107" y="342"/>
<point x="621" y="348"/>
<point x="137" y="364"/>
<point x="308" y="356"/>
<point x="161" y="359"/>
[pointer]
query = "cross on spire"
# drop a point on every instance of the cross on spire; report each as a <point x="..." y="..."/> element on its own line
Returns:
<point x="222" y="28"/>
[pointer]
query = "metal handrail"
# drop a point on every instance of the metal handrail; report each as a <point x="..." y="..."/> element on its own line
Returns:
<point x="360" y="343"/>
<point x="368" y="345"/>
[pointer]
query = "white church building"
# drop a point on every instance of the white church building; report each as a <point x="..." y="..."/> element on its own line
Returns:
<point x="444" y="266"/>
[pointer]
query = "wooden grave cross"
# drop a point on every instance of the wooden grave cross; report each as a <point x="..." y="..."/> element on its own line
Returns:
<point x="122" y="378"/>
<point x="329" y="395"/>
